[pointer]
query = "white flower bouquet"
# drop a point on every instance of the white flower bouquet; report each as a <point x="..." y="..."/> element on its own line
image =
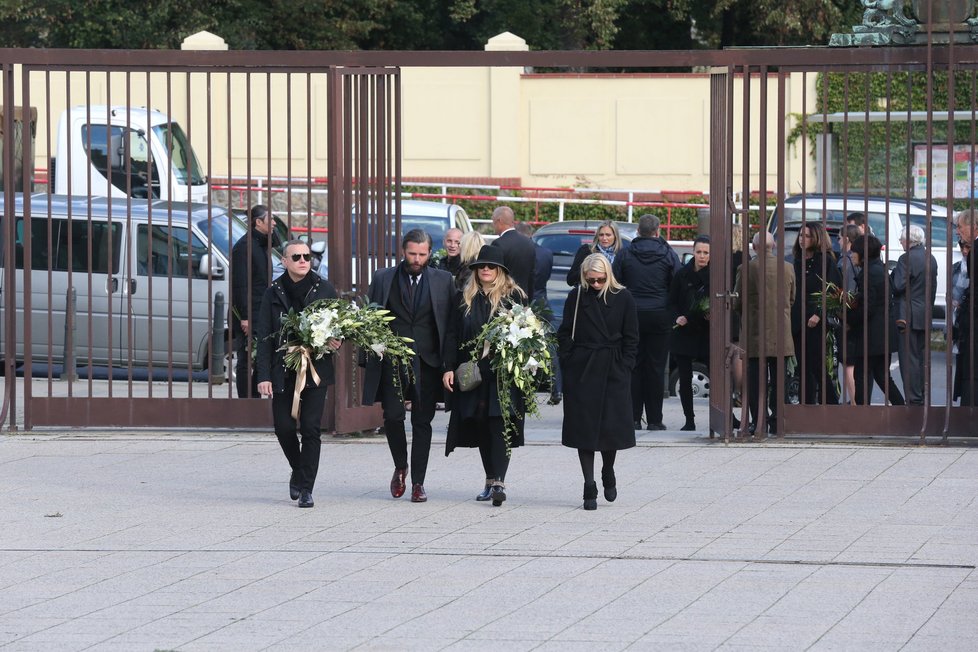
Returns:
<point x="520" y="343"/>
<point x="307" y="333"/>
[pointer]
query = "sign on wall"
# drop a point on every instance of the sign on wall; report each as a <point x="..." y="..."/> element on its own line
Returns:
<point x="962" y="166"/>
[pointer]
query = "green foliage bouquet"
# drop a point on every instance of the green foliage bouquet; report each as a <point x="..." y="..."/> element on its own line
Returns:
<point x="520" y="342"/>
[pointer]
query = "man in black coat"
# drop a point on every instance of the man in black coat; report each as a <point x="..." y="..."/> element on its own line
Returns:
<point x="298" y="435"/>
<point x="914" y="287"/>
<point x="250" y="275"/>
<point x="542" y="268"/>
<point x="421" y="299"/>
<point x="646" y="268"/>
<point x="519" y="252"/>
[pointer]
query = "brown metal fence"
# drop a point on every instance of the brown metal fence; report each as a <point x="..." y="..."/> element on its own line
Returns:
<point x="354" y="99"/>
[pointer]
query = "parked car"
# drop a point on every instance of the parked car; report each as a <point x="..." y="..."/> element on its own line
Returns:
<point x="145" y="277"/>
<point x="887" y="218"/>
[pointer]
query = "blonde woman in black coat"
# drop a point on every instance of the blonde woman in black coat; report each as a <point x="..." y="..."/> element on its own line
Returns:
<point x="598" y="342"/>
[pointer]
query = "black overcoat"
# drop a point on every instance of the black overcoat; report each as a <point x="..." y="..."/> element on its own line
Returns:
<point x="468" y="426"/>
<point x="597" y="370"/>
<point x="270" y="365"/>
<point x="868" y="313"/>
<point x="688" y="290"/>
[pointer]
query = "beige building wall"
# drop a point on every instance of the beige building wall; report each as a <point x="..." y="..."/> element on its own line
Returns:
<point x="604" y="131"/>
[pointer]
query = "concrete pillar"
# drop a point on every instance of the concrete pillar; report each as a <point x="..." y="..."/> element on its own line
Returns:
<point x="203" y="40"/>
<point x="504" y="109"/>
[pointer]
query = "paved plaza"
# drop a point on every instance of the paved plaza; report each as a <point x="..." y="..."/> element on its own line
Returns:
<point x="143" y="541"/>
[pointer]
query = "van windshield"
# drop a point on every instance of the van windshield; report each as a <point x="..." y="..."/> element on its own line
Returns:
<point x="222" y="237"/>
<point x="186" y="169"/>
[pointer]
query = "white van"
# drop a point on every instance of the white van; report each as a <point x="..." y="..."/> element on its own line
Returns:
<point x="145" y="274"/>
<point x="887" y="218"/>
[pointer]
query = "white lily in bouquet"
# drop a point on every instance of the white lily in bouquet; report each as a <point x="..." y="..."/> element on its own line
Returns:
<point x="520" y="343"/>
<point x="307" y="333"/>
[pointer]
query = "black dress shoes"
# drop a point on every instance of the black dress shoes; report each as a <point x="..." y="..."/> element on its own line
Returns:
<point x="689" y="426"/>
<point x="293" y="487"/>
<point x="638" y="425"/>
<point x="656" y="426"/>
<point x="305" y="499"/>
<point x="555" y="398"/>
<point x="397" y="482"/>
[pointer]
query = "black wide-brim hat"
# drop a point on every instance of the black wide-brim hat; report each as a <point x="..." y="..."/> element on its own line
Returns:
<point x="490" y="255"/>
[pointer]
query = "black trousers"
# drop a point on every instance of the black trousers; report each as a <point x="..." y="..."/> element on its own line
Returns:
<point x="684" y="366"/>
<point x="423" y="393"/>
<point x="875" y="370"/>
<point x="243" y="371"/>
<point x="648" y="378"/>
<point x="493" y="452"/>
<point x="301" y="443"/>
<point x="753" y="379"/>
<point x="818" y="386"/>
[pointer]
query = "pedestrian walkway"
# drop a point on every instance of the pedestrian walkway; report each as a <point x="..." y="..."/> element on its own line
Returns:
<point x="177" y="541"/>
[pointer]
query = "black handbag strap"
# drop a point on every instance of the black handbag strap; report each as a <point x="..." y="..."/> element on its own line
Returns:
<point x="577" y="302"/>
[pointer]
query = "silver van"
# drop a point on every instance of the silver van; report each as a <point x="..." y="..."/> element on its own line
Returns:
<point x="145" y="275"/>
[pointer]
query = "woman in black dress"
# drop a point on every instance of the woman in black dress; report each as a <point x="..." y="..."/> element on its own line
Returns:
<point x="868" y="315"/>
<point x="477" y="418"/>
<point x="815" y="349"/>
<point x="689" y="298"/>
<point x="598" y="342"/>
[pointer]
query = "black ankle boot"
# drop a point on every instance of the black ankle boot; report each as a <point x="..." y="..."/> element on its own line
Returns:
<point x="487" y="492"/>
<point x="590" y="495"/>
<point x="690" y="424"/>
<point x="610" y="488"/>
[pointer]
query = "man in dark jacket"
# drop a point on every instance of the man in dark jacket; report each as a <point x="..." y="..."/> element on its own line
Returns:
<point x="250" y="272"/>
<point x="421" y="299"/>
<point x="298" y="434"/>
<point x="542" y="268"/>
<point x="646" y="268"/>
<point x="519" y="252"/>
<point x="914" y="288"/>
<point x="967" y="312"/>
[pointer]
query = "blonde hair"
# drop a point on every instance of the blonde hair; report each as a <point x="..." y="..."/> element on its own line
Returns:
<point x="599" y="263"/>
<point x="614" y="229"/>
<point x="469" y="246"/>
<point x="502" y="288"/>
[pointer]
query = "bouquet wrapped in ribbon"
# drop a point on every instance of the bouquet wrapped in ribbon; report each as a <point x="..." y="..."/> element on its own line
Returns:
<point x="520" y="343"/>
<point x="306" y="336"/>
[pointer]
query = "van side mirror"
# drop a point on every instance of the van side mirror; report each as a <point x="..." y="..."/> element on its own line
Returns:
<point x="210" y="267"/>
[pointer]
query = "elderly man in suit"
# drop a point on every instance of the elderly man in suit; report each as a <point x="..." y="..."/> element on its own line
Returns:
<point x="519" y="252"/>
<point x="421" y="299"/>
<point x="914" y="285"/>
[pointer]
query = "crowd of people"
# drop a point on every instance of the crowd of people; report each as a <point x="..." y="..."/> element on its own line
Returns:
<point x="630" y="307"/>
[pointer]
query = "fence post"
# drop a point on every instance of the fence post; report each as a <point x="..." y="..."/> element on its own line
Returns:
<point x="216" y="365"/>
<point x="68" y="370"/>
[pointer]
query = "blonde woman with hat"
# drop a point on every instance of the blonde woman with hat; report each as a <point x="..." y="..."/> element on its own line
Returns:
<point x="476" y="420"/>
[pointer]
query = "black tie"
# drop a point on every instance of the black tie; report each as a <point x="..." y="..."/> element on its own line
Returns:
<point x="412" y="288"/>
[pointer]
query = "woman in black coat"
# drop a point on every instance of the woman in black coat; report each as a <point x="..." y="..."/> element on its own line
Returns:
<point x="689" y="298"/>
<point x="815" y="268"/>
<point x="868" y="315"/>
<point x="294" y="290"/>
<point x="607" y="241"/>
<point x="598" y="342"/>
<point x="476" y="415"/>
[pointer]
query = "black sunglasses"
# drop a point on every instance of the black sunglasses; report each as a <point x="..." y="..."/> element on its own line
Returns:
<point x="485" y="266"/>
<point x="305" y="257"/>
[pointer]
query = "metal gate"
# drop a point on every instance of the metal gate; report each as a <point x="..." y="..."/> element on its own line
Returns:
<point x="117" y="296"/>
<point x="876" y="155"/>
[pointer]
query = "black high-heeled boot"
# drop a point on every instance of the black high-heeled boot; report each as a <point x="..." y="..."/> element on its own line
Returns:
<point x="590" y="495"/>
<point x="610" y="486"/>
<point x="487" y="492"/>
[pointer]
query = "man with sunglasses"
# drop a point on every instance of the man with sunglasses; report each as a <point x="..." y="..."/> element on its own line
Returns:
<point x="251" y="263"/>
<point x="421" y="299"/>
<point x="298" y="287"/>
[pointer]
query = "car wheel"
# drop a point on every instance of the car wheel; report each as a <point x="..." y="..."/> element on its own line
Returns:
<point x="701" y="381"/>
